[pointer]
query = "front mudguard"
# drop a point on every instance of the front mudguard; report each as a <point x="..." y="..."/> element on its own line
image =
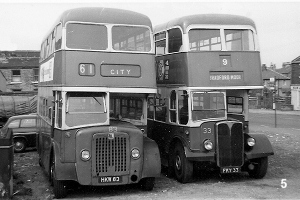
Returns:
<point x="152" y="163"/>
<point x="63" y="171"/>
<point x="262" y="147"/>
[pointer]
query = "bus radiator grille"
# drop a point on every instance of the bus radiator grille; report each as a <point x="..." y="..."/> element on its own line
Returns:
<point x="230" y="144"/>
<point x="111" y="155"/>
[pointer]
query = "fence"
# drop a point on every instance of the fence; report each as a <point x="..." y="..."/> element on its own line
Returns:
<point x="266" y="102"/>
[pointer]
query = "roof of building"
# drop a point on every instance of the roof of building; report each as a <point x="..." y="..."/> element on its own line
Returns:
<point x="296" y="60"/>
<point x="269" y="73"/>
<point x="285" y="70"/>
<point x="19" y="59"/>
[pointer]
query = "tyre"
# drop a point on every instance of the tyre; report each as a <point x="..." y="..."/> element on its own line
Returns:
<point x="147" y="184"/>
<point x="183" y="168"/>
<point x="19" y="145"/>
<point x="260" y="168"/>
<point x="59" y="187"/>
<point x="170" y="169"/>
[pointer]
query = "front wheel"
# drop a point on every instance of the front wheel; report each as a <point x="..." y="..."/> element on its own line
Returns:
<point x="260" y="168"/>
<point x="59" y="187"/>
<point x="19" y="145"/>
<point x="183" y="168"/>
<point x="147" y="184"/>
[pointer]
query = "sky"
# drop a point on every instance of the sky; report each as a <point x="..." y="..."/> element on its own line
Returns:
<point x="23" y="24"/>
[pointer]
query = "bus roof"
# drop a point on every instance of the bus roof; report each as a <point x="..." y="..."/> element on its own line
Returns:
<point x="104" y="15"/>
<point x="217" y="19"/>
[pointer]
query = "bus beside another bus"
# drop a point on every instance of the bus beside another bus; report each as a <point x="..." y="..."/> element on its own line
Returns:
<point x="96" y="72"/>
<point x="206" y="64"/>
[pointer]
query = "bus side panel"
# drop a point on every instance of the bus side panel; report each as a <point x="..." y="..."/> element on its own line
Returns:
<point x="262" y="147"/>
<point x="58" y="68"/>
<point x="151" y="165"/>
<point x="172" y="69"/>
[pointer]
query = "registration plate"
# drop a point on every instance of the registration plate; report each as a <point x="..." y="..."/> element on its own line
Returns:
<point x="110" y="179"/>
<point x="230" y="170"/>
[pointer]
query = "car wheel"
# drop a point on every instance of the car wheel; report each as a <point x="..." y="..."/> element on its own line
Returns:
<point x="183" y="168"/>
<point x="19" y="145"/>
<point x="260" y="168"/>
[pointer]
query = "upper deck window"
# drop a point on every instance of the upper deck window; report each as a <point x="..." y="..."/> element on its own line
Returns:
<point x="211" y="40"/>
<point x="160" y="43"/>
<point x="131" y="38"/>
<point x="175" y="40"/>
<point x="205" y="40"/>
<point x="86" y="36"/>
<point x="239" y="40"/>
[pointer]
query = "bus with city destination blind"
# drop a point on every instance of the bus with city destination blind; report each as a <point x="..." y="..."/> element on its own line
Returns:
<point x="96" y="71"/>
<point x="206" y="64"/>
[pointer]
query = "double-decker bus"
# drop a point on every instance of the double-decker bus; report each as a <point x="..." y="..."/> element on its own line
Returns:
<point x="97" y="68"/>
<point x="206" y="64"/>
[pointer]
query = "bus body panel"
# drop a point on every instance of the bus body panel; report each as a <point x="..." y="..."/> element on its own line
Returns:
<point x="151" y="168"/>
<point x="134" y="70"/>
<point x="205" y="69"/>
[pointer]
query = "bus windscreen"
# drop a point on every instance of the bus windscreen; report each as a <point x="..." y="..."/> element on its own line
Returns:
<point x="208" y="105"/>
<point x="85" y="108"/>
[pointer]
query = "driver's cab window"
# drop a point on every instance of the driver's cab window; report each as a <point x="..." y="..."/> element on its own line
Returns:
<point x="172" y="108"/>
<point x="85" y="108"/>
<point x="129" y="107"/>
<point x="183" y="107"/>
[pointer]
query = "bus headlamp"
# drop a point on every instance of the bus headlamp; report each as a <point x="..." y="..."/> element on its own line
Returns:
<point x="251" y="142"/>
<point x="208" y="145"/>
<point x="135" y="153"/>
<point x="85" y="155"/>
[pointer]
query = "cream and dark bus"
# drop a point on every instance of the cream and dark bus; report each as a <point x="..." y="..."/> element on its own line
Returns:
<point x="97" y="69"/>
<point x="206" y="64"/>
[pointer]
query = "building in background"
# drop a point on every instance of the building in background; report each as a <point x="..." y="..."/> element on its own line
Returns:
<point x="282" y="81"/>
<point x="295" y="83"/>
<point x="20" y="70"/>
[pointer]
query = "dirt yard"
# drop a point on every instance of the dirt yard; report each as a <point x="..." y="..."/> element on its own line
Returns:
<point x="281" y="182"/>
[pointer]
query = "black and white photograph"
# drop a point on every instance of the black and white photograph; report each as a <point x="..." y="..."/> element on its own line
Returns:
<point x="150" y="100"/>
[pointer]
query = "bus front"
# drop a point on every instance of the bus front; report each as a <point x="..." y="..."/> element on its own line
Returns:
<point x="93" y="100"/>
<point x="206" y="64"/>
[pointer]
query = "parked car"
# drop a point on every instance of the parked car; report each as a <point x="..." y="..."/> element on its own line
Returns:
<point x="24" y="131"/>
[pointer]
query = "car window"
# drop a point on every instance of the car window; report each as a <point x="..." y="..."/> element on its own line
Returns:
<point x="28" y="123"/>
<point x="14" y="124"/>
